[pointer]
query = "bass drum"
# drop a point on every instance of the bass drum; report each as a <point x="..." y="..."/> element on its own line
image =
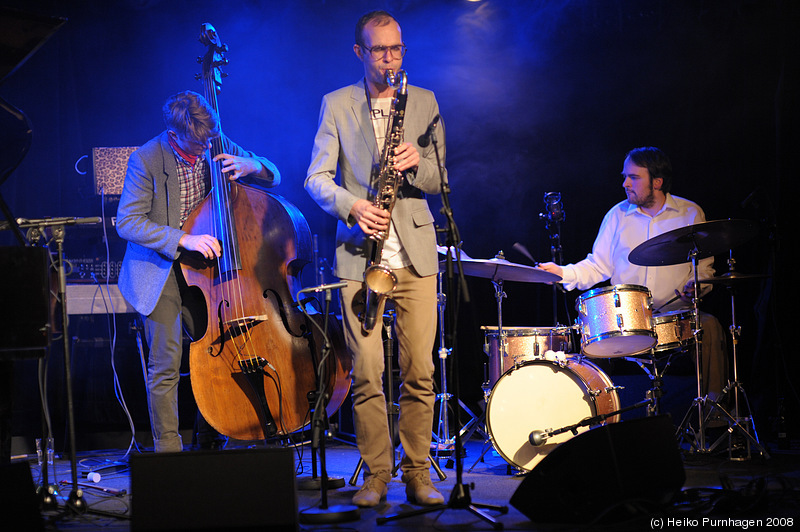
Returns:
<point x="546" y="395"/>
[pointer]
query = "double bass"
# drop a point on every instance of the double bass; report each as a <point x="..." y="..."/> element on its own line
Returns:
<point x="255" y="369"/>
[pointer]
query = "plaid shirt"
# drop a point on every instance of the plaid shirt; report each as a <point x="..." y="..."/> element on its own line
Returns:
<point x="194" y="181"/>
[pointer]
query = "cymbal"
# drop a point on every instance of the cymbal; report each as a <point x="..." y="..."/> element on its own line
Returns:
<point x="709" y="238"/>
<point x="503" y="270"/>
<point x="443" y="251"/>
<point x="733" y="277"/>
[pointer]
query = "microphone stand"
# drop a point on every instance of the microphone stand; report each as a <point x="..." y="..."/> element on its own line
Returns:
<point x="553" y="218"/>
<point x="336" y="513"/>
<point x="459" y="497"/>
<point x="538" y="437"/>
<point x="75" y="501"/>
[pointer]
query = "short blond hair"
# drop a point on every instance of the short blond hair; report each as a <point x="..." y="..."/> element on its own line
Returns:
<point x="191" y="116"/>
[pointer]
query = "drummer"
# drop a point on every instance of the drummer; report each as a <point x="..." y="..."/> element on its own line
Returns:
<point x="650" y="210"/>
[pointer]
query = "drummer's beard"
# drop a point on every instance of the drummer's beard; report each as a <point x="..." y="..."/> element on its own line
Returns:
<point x="646" y="200"/>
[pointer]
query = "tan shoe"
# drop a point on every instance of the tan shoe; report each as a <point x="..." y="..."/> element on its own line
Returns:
<point x="420" y="490"/>
<point x="371" y="493"/>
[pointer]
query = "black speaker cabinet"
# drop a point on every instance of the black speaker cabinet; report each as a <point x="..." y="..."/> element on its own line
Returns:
<point x="594" y="472"/>
<point x="25" y="316"/>
<point x="248" y="489"/>
<point x="19" y="504"/>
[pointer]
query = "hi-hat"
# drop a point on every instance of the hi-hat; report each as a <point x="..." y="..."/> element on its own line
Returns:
<point x="678" y="246"/>
<point x="502" y="270"/>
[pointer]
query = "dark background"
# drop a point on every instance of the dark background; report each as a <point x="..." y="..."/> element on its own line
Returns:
<point x="538" y="96"/>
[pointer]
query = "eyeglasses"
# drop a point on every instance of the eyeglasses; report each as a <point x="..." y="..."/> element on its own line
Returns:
<point x="397" y="51"/>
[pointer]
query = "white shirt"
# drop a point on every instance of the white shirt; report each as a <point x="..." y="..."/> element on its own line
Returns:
<point x="626" y="226"/>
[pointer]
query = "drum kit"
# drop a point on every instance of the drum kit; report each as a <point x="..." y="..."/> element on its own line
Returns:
<point x="541" y="390"/>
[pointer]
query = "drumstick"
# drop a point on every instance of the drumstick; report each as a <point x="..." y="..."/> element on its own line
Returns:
<point x="522" y="249"/>
<point x="677" y="297"/>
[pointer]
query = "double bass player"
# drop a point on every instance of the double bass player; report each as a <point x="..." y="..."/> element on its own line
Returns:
<point x="166" y="179"/>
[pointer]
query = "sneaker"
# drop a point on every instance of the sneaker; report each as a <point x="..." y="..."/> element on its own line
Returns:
<point x="371" y="493"/>
<point x="420" y="490"/>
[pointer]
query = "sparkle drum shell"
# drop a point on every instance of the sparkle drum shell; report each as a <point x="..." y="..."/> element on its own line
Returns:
<point x="522" y="344"/>
<point x="674" y="330"/>
<point x="616" y="321"/>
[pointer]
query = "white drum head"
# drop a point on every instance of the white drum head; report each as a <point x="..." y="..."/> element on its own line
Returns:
<point x="537" y="396"/>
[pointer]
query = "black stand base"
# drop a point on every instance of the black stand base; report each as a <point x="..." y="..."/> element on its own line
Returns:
<point x="459" y="500"/>
<point x="316" y="483"/>
<point x="333" y="514"/>
<point x="76" y="503"/>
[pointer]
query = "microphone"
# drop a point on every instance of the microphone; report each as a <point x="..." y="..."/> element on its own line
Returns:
<point x="555" y="210"/>
<point x="538" y="437"/>
<point x="323" y="287"/>
<point x="425" y="138"/>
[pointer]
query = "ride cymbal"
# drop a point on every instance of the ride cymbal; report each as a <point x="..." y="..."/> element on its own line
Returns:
<point x="678" y="246"/>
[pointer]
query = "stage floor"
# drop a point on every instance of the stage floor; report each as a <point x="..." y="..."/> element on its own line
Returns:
<point x="717" y="491"/>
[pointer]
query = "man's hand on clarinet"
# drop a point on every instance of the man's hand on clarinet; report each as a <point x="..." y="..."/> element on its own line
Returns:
<point x="370" y="218"/>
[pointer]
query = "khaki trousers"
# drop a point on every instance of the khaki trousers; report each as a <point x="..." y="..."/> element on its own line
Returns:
<point x="415" y="330"/>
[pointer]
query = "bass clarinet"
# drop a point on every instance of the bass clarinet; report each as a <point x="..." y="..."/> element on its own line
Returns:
<point x="380" y="280"/>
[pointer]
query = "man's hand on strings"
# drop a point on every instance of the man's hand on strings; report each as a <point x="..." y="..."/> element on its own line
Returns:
<point x="206" y="245"/>
<point x="235" y="167"/>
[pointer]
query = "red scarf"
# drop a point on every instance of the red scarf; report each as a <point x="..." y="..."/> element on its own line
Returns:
<point x="191" y="159"/>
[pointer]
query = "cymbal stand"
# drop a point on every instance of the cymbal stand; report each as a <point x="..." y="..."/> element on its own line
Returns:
<point x="698" y="443"/>
<point x="443" y="440"/>
<point x="497" y="370"/>
<point x="736" y="421"/>
<point x="699" y="401"/>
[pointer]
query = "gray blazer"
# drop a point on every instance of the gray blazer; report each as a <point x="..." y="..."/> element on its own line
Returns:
<point x="345" y="138"/>
<point x="148" y="217"/>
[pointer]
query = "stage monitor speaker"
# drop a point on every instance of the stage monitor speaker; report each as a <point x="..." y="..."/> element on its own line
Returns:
<point x="25" y="315"/>
<point x="591" y="476"/>
<point x="247" y="489"/>
<point x="19" y="504"/>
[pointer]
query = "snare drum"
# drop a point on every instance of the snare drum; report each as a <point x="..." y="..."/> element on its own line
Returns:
<point x="674" y="330"/>
<point x="522" y="344"/>
<point x="616" y="321"/>
<point x="545" y="395"/>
